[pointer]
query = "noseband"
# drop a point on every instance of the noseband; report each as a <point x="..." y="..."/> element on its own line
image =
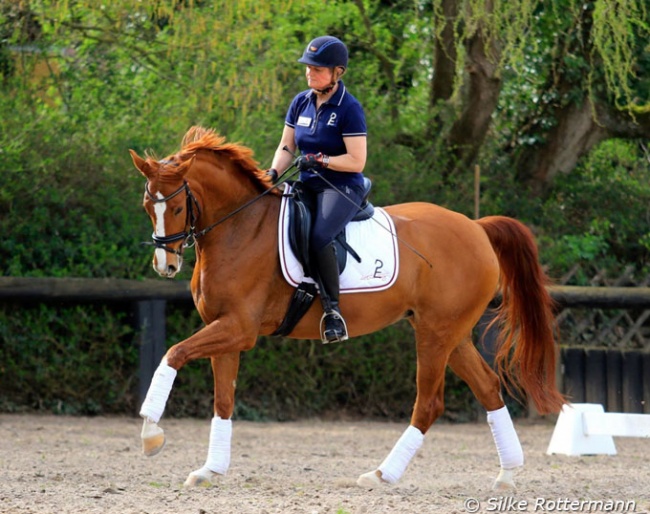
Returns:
<point x="188" y="236"/>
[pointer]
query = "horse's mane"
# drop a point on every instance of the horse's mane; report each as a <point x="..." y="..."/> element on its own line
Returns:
<point x="199" y="138"/>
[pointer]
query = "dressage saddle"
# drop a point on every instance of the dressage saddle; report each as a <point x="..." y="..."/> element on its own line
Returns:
<point x="302" y="204"/>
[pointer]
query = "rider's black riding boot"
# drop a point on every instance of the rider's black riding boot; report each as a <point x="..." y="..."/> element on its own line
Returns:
<point x="333" y="326"/>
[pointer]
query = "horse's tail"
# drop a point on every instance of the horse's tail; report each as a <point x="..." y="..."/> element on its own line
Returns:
<point x="525" y="316"/>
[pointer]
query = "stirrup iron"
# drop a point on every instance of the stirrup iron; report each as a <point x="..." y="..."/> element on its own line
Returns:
<point x="333" y="338"/>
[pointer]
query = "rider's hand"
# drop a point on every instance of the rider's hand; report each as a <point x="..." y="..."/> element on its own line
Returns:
<point x="273" y="173"/>
<point x="309" y="161"/>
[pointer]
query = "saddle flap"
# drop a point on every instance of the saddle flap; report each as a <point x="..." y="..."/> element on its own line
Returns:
<point x="299" y="232"/>
<point x="301" y="206"/>
<point x="377" y="267"/>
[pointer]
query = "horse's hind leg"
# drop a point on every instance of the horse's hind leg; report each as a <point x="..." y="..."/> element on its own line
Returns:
<point x="224" y="369"/>
<point x="429" y="405"/>
<point x="470" y="366"/>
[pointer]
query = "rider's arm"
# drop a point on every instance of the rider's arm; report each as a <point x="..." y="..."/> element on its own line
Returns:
<point x="354" y="160"/>
<point x="283" y="158"/>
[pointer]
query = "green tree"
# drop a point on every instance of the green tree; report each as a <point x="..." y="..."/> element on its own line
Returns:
<point x="439" y="73"/>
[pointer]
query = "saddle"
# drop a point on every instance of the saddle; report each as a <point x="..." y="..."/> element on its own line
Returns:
<point x="301" y="208"/>
<point x="302" y="204"/>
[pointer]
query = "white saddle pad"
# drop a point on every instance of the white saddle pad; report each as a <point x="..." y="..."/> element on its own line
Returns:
<point x="372" y="239"/>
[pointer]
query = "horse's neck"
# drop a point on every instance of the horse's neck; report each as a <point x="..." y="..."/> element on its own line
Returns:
<point x="227" y="257"/>
<point x="255" y="224"/>
<point x="224" y="190"/>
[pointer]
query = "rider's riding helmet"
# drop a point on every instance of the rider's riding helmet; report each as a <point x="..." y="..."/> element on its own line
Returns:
<point x="325" y="51"/>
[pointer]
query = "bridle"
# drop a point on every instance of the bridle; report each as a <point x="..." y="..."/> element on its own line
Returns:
<point x="190" y="235"/>
<point x="193" y="211"/>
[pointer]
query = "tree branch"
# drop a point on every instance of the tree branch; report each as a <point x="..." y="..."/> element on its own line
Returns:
<point x="468" y="132"/>
<point x="386" y="65"/>
<point x="442" y="85"/>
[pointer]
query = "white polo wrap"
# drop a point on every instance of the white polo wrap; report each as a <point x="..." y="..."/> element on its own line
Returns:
<point x="218" y="459"/>
<point x="505" y="437"/>
<point x="400" y="456"/>
<point x="161" y="385"/>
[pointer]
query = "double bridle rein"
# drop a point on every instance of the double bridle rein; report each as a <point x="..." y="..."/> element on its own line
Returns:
<point x="190" y="235"/>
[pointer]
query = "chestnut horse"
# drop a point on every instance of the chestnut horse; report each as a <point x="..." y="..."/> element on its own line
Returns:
<point x="213" y="194"/>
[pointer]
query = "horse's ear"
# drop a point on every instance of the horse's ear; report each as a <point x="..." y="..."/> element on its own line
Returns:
<point x="141" y="164"/>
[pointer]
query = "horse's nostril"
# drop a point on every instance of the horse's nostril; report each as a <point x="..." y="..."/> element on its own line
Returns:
<point x="171" y="269"/>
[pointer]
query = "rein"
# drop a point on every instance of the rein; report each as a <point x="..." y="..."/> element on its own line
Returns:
<point x="407" y="245"/>
<point x="190" y="236"/>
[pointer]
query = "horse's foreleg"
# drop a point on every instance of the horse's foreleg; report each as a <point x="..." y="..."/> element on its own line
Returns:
<point x="470" y="366"/>
<point x="429" y="405"/>
<point x="217" y="338"/>
<point x="153" y="437"/>
<point x="394" y="465"/>
<point x="225" y="369"/>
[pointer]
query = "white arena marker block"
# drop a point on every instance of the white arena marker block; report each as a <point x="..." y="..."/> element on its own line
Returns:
<point x="570" y="436"/>
<point x="616" y="424"/>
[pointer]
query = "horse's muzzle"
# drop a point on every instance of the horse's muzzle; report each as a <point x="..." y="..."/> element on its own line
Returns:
<point x="167" y="265"/>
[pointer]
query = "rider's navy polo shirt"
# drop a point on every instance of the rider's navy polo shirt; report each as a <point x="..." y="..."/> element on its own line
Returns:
<point x="323" y="130"/>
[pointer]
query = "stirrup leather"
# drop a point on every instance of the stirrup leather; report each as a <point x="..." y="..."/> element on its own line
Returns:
<point x="335" y="337"/>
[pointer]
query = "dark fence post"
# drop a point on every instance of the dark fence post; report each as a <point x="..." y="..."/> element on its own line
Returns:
<point x="646" y="382"/>
<point x="574" y="374"/>
<point x="614" y="381"/>
<point x="596" y="380"/>
<point x="632" y="382"/>
<point x="150" y="325"/>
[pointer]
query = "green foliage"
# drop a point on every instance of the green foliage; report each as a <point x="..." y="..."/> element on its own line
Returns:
<point x="599" y="213"/>
<point x="68" y="360"/>
<point x="618" y="24"/>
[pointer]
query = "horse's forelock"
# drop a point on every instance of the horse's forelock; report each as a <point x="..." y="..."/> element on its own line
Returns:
<point x="167" y="170"/>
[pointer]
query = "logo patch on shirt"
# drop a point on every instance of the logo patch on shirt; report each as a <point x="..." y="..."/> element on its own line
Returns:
<point x="304" y="121"/>
<point x="332" y="121"/>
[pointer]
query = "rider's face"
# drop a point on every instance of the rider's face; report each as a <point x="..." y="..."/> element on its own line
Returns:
<point x="318" y="77"/>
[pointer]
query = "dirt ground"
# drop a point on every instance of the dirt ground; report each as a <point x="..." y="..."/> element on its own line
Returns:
<point x="51" y="464"/>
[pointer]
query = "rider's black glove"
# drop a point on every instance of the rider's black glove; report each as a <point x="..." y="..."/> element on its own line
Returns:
<point x="273" y="173"/>
<point x="309" y="161"/>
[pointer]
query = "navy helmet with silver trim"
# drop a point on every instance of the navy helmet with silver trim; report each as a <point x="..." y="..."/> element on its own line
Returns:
<point x="325" y="51"/>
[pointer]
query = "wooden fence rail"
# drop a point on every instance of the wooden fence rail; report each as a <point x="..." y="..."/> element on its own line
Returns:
<point x="92" y="289"/>
<point x="114" y="289"/>
<point x="148" y="299"/>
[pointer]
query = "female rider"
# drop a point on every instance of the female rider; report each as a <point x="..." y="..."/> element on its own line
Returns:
<point x="327" y="124"/>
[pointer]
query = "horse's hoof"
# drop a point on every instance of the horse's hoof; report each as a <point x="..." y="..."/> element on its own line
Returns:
<point x="371" y="479"/>
<point x="201" y="478"/>
<point x="504" y="481"/>
<point x="153" y="445"/>
<point x="153" y="438"/>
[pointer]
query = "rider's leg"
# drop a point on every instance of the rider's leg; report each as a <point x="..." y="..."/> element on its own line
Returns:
<point x="335" y="208"/>
<point x="328" y="269"/>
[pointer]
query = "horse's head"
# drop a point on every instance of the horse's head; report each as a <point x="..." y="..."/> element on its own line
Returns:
<point x="172" y="208"/>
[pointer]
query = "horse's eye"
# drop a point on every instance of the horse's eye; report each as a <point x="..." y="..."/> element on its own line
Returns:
<point x="178" y="210"/>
